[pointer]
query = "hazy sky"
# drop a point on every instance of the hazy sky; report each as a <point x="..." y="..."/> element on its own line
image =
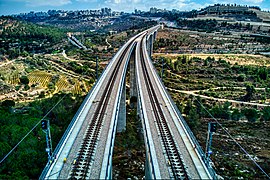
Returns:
<point x="19" y="6"/>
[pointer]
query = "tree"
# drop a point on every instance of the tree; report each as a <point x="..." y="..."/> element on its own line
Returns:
<point x="8" y="103"/>
<point x="24" y="80"/>
<point x="222" y="111"/>
<point x="262" y="73"/>
<point x="226" y="110"/>
<point x="193" y="118"/>
<point x="250" y="91"/>
<point x="251" y="114"/>
<point x="241" y="77"/>
<point x="236" y="115"/>
<point x="266" y="114"/>
<point x="205" y="62"/>
<point x="188" y="107"/>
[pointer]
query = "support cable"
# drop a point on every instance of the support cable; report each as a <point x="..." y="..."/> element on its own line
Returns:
<point x="250" y="157"/>
<point x="32" y="129"/>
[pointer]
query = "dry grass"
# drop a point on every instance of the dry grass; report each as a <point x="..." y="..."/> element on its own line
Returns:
<point x="241" y="59"/>
<point x="263" y="15"/>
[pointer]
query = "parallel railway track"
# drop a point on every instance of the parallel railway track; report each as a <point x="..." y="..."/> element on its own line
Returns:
<point x="173" y="155"/>
<point x="88" y="150"/>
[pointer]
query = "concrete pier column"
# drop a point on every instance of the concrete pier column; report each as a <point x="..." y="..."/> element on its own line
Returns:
<point x="133" y="81"/>
<point x="151" y="38"/>
<point x="122" y="120"/>
<point x="155" y="35"/>
<point x="148" y="45"/>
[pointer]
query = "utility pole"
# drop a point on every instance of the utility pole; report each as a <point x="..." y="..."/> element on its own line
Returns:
<point x="97" y="68"/>
<point x="212" y="127"/>
<point x="45" y="125"/>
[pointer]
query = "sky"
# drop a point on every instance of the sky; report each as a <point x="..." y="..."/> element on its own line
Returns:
<point x="8" y="7"/>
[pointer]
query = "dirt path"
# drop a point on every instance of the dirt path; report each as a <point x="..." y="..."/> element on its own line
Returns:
<point x="106" y="40"/>
<point x="191" y="80"/>
<point x="216" y="88"/>
<point x="67" y="72"/>
<point x="6" y="63"/>
<point x="65" y="56"/>
<point x="217" y="99"/>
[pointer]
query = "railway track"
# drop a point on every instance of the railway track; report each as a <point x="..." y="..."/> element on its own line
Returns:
<point x="172" y="153"/>
<point x="84" y="160"/>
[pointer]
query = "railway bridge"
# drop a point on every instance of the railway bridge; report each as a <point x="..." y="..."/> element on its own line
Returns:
<point x="86" y="148"/>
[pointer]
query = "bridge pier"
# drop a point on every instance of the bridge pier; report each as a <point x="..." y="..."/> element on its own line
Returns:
<point x="122" y="120"/>
<point x="133" y="81"/>
<point x="155" y="35"/>
<point x="149" y="44"/>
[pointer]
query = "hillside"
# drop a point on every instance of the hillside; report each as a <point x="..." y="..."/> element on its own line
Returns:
<point x="18" y="36"/>
<point x="234" y="88"/>
<point x="265" y="16"/>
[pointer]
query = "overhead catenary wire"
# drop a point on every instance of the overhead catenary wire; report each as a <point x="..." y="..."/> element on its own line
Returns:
<point x="238" y="144"/>
<point x="32" y="129"/>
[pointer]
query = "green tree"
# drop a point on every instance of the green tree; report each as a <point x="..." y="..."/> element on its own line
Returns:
<point x="221" y="111"/>
<point x="241" y="77"/>
<point x="8" y="103"/>
<point x="193" y="118"/>
<point x="266" y="114"/>
<point x="262" y="73"/>
<point x="226" y="110"/>
<point x="188" y="107"/>
<point x="250" y="89"/>
<point x="251" y="114"/>
<point x="236" y="115"/>
<point x="205" y="62"/>
<point x="24" y="80"/>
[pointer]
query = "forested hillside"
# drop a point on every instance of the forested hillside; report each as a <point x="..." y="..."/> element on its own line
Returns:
<point x="19" y="37"/>
<point x="28" y="159"/>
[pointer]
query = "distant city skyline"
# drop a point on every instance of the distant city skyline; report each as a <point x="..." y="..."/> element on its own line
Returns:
<point x="8" y="7"/>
